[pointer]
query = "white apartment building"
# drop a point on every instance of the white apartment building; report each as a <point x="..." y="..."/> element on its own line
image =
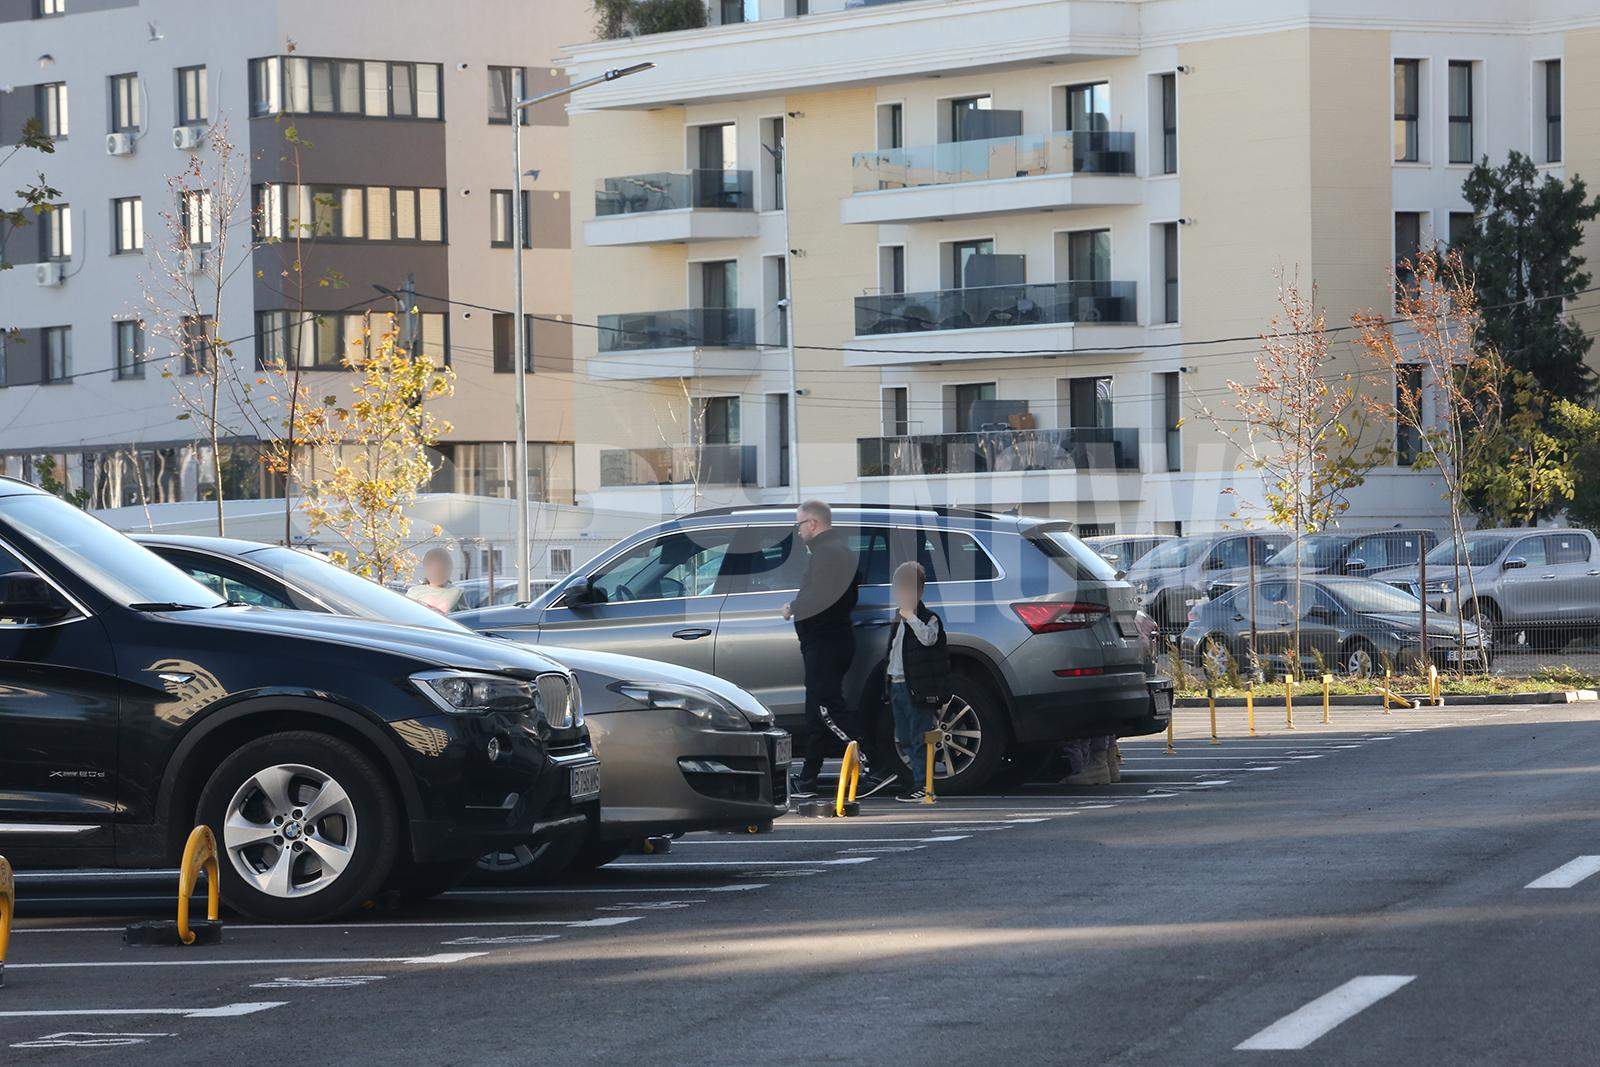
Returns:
<point x="405" y="170"/>
<point x="1027" y="242"/>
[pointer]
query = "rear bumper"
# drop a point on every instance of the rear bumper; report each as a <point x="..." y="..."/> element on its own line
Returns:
<point x="1083" y="707"/>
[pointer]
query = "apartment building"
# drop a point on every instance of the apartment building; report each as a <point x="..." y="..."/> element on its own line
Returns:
<point x="1018" y="246"/>
<point x="401" y="112"/>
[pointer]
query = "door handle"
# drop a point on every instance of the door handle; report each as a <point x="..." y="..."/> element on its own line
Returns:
<point x="1594" y="574"/>
<point x="1547" y="577"/>
<point x="1238" y="618"/>
<point x="872" y="624"/>
<point x="693" y="633"/>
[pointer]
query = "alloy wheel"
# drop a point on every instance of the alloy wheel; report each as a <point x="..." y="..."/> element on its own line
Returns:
<point x="1358" y="663"/>
<point x="290" y="830"/>
<point x="960" y="738"/>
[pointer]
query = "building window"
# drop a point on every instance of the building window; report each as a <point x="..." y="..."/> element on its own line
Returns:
<point x="772" y="164"/>
<point x="127" y="225"/>
<point x="1172" y="420"/>
<point x="194" y="217"/>
<point x="1089" y="256"/>
<point x="892" y="269"/>
<point x="51" y="109"/>
<point x="966" y="263"/>
<point x="1461" y="111"/>
<point x="506" y="88"/>
<point x="193" y="107"/>
<point x="966" y="124"/>
<point x="780" y="429"/>
<point x="735" y="11"/>
<point x="348" y="213"/>
<point x="1407" y="110"/>
<point x="380" y="89"/>
<point x="1089" y="403"/>
<point x="1407" y="244"/>
<point x="1552" y="110"/>
<point x="560" y="562"/>
<point x="719" y="420"/>
<point x="327" y="341"/>
<point x="196" y="344"/>
<point x="1461" y="223"/>
<point x="1169" y="272"/>
<point x="501" y="219"/>
<point x="55" y="233"/>
<point x="57" y="341"/>
<point x="505" y="344"/>
<point x="1169" y="124"/>
<point x="968" y="416"/>
<point x="126" y="110"/>
<point x="891" y="126"/>
<point x="128" y="337"/>
<point x="896" y="411"/>
<point x="47" y="8"/>
<point x="1088" y="108"/>
<point x="1407" y="398"/>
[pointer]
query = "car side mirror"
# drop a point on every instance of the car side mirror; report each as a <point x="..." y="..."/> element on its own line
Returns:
<point x="1354" y="565"/>
<point x="1515" y="563"/>
<point x="582" y="592"/>
<point x="26" y="597"/>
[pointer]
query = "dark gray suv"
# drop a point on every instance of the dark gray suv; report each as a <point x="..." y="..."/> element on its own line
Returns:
<point x="1045" y="638"/>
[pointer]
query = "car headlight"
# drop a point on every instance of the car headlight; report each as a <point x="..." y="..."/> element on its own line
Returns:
<point x="701" y="703"/>
<point x="469" y="693"/>
<point x="1404" y="638"/>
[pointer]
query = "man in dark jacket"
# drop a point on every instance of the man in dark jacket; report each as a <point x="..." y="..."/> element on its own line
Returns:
<point x="821" y="613"/>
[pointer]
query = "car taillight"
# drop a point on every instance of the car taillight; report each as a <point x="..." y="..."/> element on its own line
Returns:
<point x="1079" y="672"/>
<point x="1045" y="617"/>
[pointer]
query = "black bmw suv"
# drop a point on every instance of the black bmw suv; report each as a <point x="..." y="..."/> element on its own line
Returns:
<point x="331" y="756"/>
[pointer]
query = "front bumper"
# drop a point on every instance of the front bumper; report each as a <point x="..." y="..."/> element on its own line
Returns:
<point x="1083" y="707"/>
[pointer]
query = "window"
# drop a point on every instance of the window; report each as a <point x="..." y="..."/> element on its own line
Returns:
<point x="1407" y="243"/>
<point x="47" y="8"/>
<point x="560" y="562"/>
<point x="772" y="163"/>
<point x="1567" y="548"/>
<point x="196" y="342"/>
<point x="193" y="108"/>
<point x="1373" y="552"/>
<point x="55" y="233"/>
<point x="127" y="225"/>
<point x="719" y="420"/>
<point x="719" y="284"/>
<point x="505" y="355"/>
<point x="678" y="565"/>
<point x="1552" y="110"/>
<point x="309" y="85"/>
<point x="51" y="109"/>
<point x="1461" y="111"/>
<point x="1169" y="124"/>
<point x="965" y="122"/>
<point x="945" y="556"/>
<point x="1531" y="550"/>
<point x="892" y="269"/>
<point x="57" y="341"/>
<point x="777" y="298"/>
<point x="734" y="11"/>
<point x="126" y="109"/>
<point x="194" y="217"/>
<point x="1088" y="108"/>
<point x="968" y="418"/>
<point x="1407" y="110"/>
<point x="348" y="213"/>
<point x="327" y="340"/>
<point x="1172" y="419"/>
<point x="717" y="146"/>
<point x="780" y="430"/>
<point x="1089" y="256"/>
<point x="506" y="87"/>
<point x="4" y="378"/>
<point x="891" y="126"/>
<point x="896" y="411"/>
<point x="1169" y="279"/>
<point x="1461" y="226"/>
<point x="1407" y="399"/>
<point x="128" y="337"/>
<point x="501" y="220"/>
<point x="962" y="257"/>
<point x="1089" y="403"/>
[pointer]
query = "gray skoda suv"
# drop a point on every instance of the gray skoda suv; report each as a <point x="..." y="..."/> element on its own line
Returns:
<point x="1045" y="638"/>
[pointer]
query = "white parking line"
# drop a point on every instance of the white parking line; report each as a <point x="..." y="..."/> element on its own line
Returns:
<point x="1301" y="1027"/>
<point x="437" y="957"/>
<point x="739" y="863"/>
<point x="226" y="1011"/>
<point x="822" y="841"/>
<point x="1568" y="874"/>
<point x="583" y="891"/>
<point x="1190" y="770"/>
<point x="613" y="920"/>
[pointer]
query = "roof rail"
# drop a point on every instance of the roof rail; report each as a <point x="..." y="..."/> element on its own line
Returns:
<point x="931" y="509"/>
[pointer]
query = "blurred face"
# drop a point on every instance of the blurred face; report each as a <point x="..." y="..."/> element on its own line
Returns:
<point x="807" y="525"/>
<point x="436" y="570"/>
<point x="905" y="593"/>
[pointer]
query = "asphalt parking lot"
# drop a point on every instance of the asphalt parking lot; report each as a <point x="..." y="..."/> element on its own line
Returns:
<point x="1386" y="887"/>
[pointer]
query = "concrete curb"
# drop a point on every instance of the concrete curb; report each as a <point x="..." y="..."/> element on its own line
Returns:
<point x="1267" y="697"/>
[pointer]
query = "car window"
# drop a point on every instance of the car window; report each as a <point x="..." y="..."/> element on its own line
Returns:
<point x="1530" y="549"/>
<point x="871" y="546"/>
<point x="1374" y="552"/>
<point x="232" y="588"/>
<point x="681" y="564"/>
<point x="1234" y="552"/>
<point x="768" y="560"/>
<point x="1272" y="600"/>
<point x="1315" y="597"/>
<point x="1568" y="548"/>
<point x="945" y="555"/>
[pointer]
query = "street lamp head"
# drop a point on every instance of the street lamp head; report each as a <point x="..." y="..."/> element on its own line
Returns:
<point x="623" y="72"/>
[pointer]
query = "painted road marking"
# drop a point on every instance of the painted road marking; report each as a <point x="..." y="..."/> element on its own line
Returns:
<point x="583" y="891"/>
<point x="88" y="1039"/>
<point x="1568" y="874"/>
<point x="741" y="863"/>
<point x="333" y="981"/>
<point x="1189" y="770"/>
<point x="575" y="923"/>
<point x="886" y="848"/>
<point x="1301" y="1027"/>
<point x="824" y="841"/>
<point x="226" y="1011"/>
<point x="437" y="957"/>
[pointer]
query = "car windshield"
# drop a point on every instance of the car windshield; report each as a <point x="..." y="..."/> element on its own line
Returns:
<point x="1317" y="550"/>
<point x="1368" y="597"/>
<point x="1480" y="552"/>
<point x="1179" y="553"/>
<point x="126" y="572"/>
<point x="346" y="593"/>
<point x="1075" y="557"/>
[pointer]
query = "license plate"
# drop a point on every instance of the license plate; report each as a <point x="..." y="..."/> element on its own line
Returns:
<point x="1455" y="656"/>
<point x="585" y="781"/>
<point x="1163" y="701"/>
<point x="1127" y="627"/>
<point x="783" y="750"/>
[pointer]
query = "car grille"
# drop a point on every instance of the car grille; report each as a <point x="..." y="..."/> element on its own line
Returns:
<point x="557" y="701"/>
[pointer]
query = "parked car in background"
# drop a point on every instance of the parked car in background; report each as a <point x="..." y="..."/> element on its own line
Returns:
<point x="682" y="750"/>
<point x="1336" y="552"/>
<point x="475" y="591"/>
<point x="1042" y="634"/>
<point x="1529" y="586"/>
<point x="330" y="756"/>
<point x="1352" y="625"/>
<point x="1124" y="550"/>
<point x="1173" y="577"/>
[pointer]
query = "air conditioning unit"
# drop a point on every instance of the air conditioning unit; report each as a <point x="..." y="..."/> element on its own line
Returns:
<point x="187" y="138"/>
<point x="194" y="261"/>
<point x="119" y="144"/>
<point x="47" y="274"/>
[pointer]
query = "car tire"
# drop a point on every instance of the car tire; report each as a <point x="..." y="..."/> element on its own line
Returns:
<point x="1358" y="652"/>
<point x="975" y="737"/>
<point x="595" y="854"/>
<point x="420" y="882"/>
<point x="1485" y="613"/>
<point x="1023" y="764"/>
<point x="262" y="785"/>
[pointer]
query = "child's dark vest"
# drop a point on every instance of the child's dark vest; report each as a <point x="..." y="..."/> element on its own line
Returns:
<point x="927" y="666"/>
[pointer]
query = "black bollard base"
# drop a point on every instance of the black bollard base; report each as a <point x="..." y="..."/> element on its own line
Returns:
<point x="165" y="933"/>
<point x="824" y="809"/>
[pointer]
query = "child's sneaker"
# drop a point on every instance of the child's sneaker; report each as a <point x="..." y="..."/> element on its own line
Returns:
<point x="915" y="795"/>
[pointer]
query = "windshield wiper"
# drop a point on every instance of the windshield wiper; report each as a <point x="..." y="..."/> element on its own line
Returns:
<point x="169" y="605"/>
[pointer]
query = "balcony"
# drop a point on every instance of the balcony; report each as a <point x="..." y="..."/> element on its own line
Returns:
<point x="678" y="465"/>
<point x="994" y="176"/>
<point x="672" y="207"/>
<point x="686" y="343"/>
<point x="999" y="451"/>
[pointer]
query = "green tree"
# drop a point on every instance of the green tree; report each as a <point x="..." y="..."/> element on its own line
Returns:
<point x="1522" y="255"/>
<point x="45" y="467"/>
<point x="1524" y="471"/>
<point x="1578" y="426"/>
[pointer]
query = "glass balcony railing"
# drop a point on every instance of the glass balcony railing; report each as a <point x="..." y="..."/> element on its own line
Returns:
<point x="994" y="451"/>
<point x="992" y="159"/>
<point x="990" y="306"/>
<point x="685" y="328"/>
<point x="727" y="190"/>
<point x="679" y="465"/>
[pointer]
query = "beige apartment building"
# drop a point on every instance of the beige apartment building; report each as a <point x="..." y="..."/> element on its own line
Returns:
<point x="1019" y="246"/>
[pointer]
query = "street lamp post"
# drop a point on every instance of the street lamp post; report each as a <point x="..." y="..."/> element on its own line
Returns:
<point x="518" y="329"/>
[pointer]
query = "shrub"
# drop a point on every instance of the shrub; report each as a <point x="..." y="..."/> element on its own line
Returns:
<point x="637" y="18"/>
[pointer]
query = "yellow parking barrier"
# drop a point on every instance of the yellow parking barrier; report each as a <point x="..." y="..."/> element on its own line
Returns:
<point x="1327" y="686"/>
<point x="199" y="854"/>
<point x="1435" y="692"/>
<point x="849" y="779"/>
<point x="930" y="739"/>
<point x="1172" y="717"/>
<point x="8" y="904"/>
<point x="1386" y="674"/>
<point x="1211" y="702"/>
<point x="1250" y="707"/>
<point x="1288" y="702"/>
